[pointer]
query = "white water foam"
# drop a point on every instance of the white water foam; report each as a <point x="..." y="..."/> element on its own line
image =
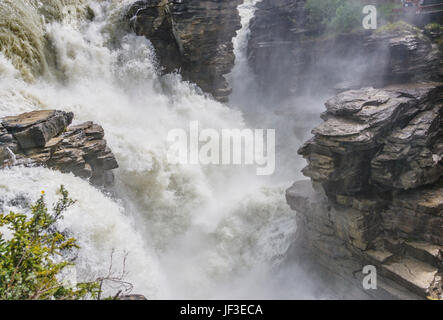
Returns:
<point x="191" y="231"/>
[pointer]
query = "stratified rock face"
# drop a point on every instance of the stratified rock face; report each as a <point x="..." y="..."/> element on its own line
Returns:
<point x="45" y="138"/>
<point x="378" y="160"/>
<point x="387" y="137"/>
<point x="192" y="36"/>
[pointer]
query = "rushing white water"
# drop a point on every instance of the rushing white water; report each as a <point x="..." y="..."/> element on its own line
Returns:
<point x="190" y="231"/>
<point x="241" y="77"/>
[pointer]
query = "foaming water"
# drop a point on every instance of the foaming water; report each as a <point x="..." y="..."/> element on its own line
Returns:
<point x="241" y="76"/>
<point x="98" y="222"/>
<point x="22" y="31"/>
<point x="191" y="231"/>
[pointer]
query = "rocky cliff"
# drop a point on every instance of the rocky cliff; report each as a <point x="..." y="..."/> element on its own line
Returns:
<point x="191" y="36"/>
<point x="45" y="138"/>
<point x="376" y="162"/>
<point x="376" y="165"/>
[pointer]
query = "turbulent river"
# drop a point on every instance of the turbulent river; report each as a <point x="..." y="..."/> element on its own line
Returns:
<point x="188" y="231"/>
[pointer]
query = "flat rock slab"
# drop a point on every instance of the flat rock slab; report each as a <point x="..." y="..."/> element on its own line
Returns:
<point x="45" y="138"/>
<point x="414" y="274"/>
<point x="380" y="255"/>
<point x="25" y="120"/>
<point x="36" y="128"/>
<point x="432" y="249"/>
<point x="425" y="251"/>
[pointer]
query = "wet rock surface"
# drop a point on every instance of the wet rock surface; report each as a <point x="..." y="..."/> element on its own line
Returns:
<point x="191" y="36"/>
<point x="45" y="138"/>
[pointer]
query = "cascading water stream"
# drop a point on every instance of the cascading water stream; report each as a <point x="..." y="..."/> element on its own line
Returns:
<point x="189" y="231"/>
<point x="241" y="77"/>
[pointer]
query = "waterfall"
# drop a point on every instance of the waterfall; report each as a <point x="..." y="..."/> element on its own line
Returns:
<point x="189" y="231"/>
<point x="241" y="77"/>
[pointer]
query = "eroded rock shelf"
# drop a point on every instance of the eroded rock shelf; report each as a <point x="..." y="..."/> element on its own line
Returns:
<point x="46" y="138"/>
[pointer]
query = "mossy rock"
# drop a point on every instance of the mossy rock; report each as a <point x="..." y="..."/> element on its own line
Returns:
<point x="399" y="27"/>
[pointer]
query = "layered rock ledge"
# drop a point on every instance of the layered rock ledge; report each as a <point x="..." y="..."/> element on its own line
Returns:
<point x="376" y="165"/>
<point x="191" y="36"/>
<point x="47" y="138"/>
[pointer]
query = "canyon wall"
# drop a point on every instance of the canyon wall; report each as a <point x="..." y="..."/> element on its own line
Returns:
<point x="193" y="37"/>
<point x="376" y="162"/>
<point x="290" y="55"/>
<point x="377" y="196"/>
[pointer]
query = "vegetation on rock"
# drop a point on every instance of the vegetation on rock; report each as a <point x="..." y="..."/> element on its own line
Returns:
<point x="33" y="256"/>
<point x="334" y="15"/>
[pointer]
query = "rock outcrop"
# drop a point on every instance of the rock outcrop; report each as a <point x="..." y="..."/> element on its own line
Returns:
<point x="376" y="165"/>
<point x="45" y="138"/>
<point x="387" y="137"/>
<point x="191" y="36"/>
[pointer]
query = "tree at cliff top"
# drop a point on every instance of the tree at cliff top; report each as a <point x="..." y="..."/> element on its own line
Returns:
<point x="33" y="256"/>
<point x="334" y="15"/>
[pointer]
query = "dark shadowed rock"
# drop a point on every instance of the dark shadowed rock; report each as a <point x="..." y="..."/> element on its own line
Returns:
<point x="191" y="36"/>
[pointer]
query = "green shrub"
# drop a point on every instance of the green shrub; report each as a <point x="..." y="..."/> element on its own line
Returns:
<point x="400" y="27"/>
<point x="347" y="17"/>
<point x="334" y="15"/>
<point x="435" y="32"/>
<point x="322" y="12"/>
<point x="31" y="259"/>
<point x="434" y="27"/>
